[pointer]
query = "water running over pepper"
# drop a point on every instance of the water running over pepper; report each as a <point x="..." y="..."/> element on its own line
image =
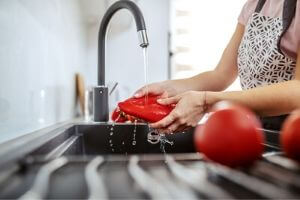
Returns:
<point x="145" y="54"/>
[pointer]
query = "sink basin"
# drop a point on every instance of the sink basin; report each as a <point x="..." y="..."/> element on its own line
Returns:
<point x="89" y="139"/>
<point x="102" y="139"/>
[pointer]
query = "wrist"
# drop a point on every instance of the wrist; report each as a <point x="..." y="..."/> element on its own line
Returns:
<point x="179" y="85"/>
<point x="212" y="98"/>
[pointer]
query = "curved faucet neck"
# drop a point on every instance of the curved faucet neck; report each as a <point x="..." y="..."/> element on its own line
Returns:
<point x="140" y="25"/>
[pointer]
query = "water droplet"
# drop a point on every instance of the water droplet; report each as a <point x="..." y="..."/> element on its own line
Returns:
<point x="111" y="133"/>
<point x="112" y="150"/>
<point x="111" y="145"/>
<point x="112" y="129"/>
<point x="135" y="123"/>
<point x="110" y="141"/>
<point x="133" y="143"/>
<point x="123" y="143"/>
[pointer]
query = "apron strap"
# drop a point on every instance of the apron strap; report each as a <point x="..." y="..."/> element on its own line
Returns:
<point x="289" y="10"/>
<point x="260" y="6"/>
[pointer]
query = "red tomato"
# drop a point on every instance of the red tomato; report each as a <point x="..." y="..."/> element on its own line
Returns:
<point x="290" y="136"/>
<point x="231" y="136"/>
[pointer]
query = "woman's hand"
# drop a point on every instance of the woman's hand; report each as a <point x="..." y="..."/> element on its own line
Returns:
<point x="190" y="108"/>
<point x="164" y="89"/>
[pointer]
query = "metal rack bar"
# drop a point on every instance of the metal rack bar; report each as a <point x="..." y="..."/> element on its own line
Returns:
<point x="276" y="174"/>
<point x="283" y="162"/>
<point x="96" y="186"/>
<point x="251" y="183"/>
<point x="148" y="184"/>
<point x="41" y="183"/>
<point x="178" y="189"/>
<point x="197" y="178"/>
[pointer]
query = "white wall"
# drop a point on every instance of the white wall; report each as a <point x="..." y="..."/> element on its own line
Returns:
<point x="42" y="46"/>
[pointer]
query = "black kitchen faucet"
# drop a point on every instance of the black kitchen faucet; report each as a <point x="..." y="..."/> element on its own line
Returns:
<point x="101" y="111"/>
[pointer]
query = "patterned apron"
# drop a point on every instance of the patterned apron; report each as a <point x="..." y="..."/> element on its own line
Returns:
<point x="260" y="62"/>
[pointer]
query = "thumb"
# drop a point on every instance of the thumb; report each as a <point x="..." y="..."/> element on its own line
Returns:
<point x="148" y="89"/>
<point x="140" y="93"/>
<point x="164" y="95"/>
<point x="168" y="101"/>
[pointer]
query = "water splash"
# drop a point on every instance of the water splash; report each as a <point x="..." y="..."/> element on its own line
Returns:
<point x="111" y="134"/>
<point x="134" y="133"/>
<point x="163" y="141"/>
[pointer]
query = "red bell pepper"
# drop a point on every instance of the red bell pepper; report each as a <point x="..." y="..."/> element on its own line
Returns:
<point x="118" y="116"/>
<point x="141" y="109"/>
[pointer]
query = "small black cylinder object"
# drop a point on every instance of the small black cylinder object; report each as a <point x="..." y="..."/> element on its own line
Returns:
<point x="101" y="112"/>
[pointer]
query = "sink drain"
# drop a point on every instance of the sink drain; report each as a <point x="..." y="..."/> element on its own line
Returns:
<point x="153" y="137"/>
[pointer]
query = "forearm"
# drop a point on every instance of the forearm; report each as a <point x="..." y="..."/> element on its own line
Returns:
<point x="277" y="99"/>
<point x="206" y="81"/>
<point x="212" y="81"/>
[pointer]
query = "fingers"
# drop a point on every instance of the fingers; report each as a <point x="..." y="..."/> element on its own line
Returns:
<point x="174" y="127"/>
<point x="168" y="101"/>
<point x="164" y="95"/>
<point x="182" y="128"/>
<point x="151" y="90"/>
<point x="139" y="93"/>
<point x="178" y="125"/>
<point x="164" y="122"/>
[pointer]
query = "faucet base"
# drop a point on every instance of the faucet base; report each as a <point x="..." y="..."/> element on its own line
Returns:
<point x="101" y="111"/>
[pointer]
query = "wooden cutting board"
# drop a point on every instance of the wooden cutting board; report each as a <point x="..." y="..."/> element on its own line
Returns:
<point x="80" y="90"/>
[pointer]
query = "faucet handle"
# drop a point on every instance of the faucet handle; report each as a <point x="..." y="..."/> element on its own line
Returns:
<point x="113" y="88"/>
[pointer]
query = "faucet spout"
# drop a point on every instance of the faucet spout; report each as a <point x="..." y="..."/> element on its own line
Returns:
<point x="101" y="111"/>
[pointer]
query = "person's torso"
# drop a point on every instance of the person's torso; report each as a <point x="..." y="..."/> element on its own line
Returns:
<point x="290" y="43"/>
<point x="260" y="61"/>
